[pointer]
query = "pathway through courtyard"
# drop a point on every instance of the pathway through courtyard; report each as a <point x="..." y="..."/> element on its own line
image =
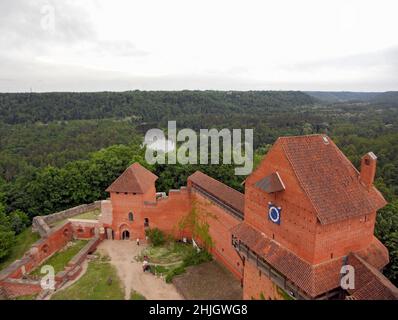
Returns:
<point x="122" y="255"/>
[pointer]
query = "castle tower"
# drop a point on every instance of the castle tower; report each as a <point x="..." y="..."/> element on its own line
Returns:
<point x="128" y="193"/>
<point x="308" y="212"/>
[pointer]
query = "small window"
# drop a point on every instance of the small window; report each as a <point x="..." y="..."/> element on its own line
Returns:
<point x="66" y="232"/>
<point x="45" y="249"/>
<point x="131" y="216"/>
<point x="146" y="222"/>
<point x="367" y="161"/>
<point x="331" y="256"/>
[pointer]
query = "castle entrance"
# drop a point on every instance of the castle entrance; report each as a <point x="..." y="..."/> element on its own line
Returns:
<point x="125" y="235"/>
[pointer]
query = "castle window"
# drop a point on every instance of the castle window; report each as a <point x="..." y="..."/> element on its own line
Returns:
<point x="45" y="249"/>
<point x="66" y="233"/>
<point x="131" y="216"/>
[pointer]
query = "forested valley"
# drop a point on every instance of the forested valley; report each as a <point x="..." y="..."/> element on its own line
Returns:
<point x="59" y="150"/>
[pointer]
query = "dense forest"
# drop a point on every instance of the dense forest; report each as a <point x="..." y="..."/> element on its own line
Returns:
<point x="58" y="150"/>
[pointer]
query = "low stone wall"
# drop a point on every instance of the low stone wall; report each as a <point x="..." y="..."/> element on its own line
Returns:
<point x="43" y="228"/>
<point x="39" y="252"/>
<point x="74" y="267"/>
<point x="84" y="229"/>
<point x="87" y="249"/>
<point x="12" y="279"/>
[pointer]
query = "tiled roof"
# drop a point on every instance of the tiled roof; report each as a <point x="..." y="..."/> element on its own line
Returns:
<point x="370" y="284"/>
<point x="271" y="183"/>
<point x="329" y="179"/>
<point x="314" y="280"/>
<point x="135" y="179"/>
<point x="226" y="194"/>
<point x="376" y="254"/>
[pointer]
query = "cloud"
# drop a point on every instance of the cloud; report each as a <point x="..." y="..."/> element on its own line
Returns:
<point x="91" y="45"/>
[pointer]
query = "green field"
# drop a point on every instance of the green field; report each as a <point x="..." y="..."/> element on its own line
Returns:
<point x="89" y="215"/>
<point x="22" y="244"/>
<point x="60" y="259"/>
<point x="100" y="282"/>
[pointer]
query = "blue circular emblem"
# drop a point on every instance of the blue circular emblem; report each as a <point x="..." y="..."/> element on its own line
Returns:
<point x="274" y="214"/>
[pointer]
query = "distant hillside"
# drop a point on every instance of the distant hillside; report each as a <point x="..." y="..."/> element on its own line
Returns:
<point x="343" y="96"/>
<point x="144" y="105"/>
<point x="389" y="98"/>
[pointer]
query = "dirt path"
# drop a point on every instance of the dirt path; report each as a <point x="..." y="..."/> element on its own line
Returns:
<point x="122" y="255"/>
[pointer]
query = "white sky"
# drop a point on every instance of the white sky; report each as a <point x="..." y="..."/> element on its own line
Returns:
<point x="183" y="44"/>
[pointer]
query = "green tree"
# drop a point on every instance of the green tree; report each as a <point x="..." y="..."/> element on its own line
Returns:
<point x="7" y="236"/>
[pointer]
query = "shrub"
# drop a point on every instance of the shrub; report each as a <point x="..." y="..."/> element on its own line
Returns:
<point x="173" y="273"/>
<point x="161" y="269"/>
<point x="194" y="258"/>
<point x="156" y="236"/>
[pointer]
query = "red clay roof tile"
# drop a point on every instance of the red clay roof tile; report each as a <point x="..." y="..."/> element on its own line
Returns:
<point x="370" y="284"/>
<point x="221" y="191"/>
<point x="329" y="179"/>
<point x="314" y="280"/>
<point x="135" y="179"/>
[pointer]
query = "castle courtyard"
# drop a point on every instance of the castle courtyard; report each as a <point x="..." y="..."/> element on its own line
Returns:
<point x="122" y="256"/>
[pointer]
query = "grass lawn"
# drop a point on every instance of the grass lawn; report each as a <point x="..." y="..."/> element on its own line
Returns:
<point x="169" y="253"/>
<point x="137" y="296"/>
<point x="89" y="215"/>
<point x="60" y="259"/>
<point x="28" y="297"/>
<point x="22" y="244"/>
<point x="95" y="284"/>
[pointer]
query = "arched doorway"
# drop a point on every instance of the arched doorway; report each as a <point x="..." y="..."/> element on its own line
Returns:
<point x="125" y="235"/>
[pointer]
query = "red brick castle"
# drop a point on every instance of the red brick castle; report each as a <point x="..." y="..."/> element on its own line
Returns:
<point x="305" y="214"/>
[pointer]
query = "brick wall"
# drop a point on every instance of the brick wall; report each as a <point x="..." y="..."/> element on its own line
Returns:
<point x="220" y="222"/>
<point x="163" y="213"/>
<point x="18" y="287"/>
<point x="300" y="231"/>
<point x="298" y="220"/>
<point x="257" y="285"/>
<point x="39" y="251"/>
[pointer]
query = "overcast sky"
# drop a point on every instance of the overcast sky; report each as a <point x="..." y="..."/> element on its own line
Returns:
<point x="95" y="45"/>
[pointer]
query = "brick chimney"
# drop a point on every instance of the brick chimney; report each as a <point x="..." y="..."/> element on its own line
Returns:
<point x="368" y="169"/>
